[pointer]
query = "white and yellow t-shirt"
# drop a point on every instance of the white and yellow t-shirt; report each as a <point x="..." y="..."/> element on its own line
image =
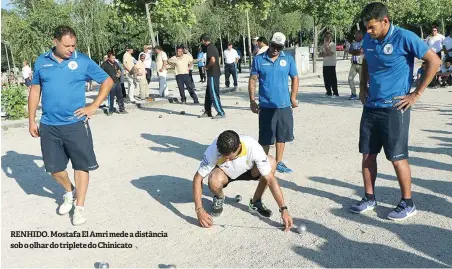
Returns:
<point x="251" y="154"/>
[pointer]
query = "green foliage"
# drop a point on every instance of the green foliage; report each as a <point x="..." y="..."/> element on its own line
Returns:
<point x="14" y="101"/>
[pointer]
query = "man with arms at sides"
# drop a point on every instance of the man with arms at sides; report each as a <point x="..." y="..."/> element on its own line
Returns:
<point x="60" y="75"/>
<point x="387" y="68"/>
<point x="230" y="158"/>
<point x="272" y="68"/>
<point x="111" y="67"/>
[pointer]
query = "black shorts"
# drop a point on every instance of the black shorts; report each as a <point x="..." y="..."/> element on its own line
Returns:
<point x="387" y="128"/>
<point x="275" y="123"/>
<point x="64" y="142"/>
<point x="245" y="176"/>
<point x="28" y="82"/>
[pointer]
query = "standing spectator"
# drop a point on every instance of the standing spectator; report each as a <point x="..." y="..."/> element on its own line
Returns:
<point x="148" y="62"/>
<point x="356" y="61"/>
<point x="161" y="63"/>
<point x="311" y="50"/>
<point x="275" y="104"/>
<point x="123" y="88"/>
<point x="129" y="62"/>
<point x="212" y="96"/>
<point x="26" y="74"/>
<point x="435" y="41"/>
<point x="201" y="57"/>
<point x="328" y="52"/>
<point x="262" y="43"/>
<point x="346" y="49"/>
<point x="447" y="45"/>
<point x="111" y="67"/>
<point x="140" y="71"/>
<point x="255" y="46"/>
<point x="182" y="62"/>
<point x="59" y="76"/>
<point x="239" y="64"/>
<point x="231" y="57"/>
<point x="385" y="86"/>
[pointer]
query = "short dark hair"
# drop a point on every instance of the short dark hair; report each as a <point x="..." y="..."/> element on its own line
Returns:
<point x="228" y="142"/>
<point x="158" y="47"/>
<point x="205" y="37"/>
<point x="374" y="11"/>
<point x="328" y="33"/>
<point x="262" y="40"/>
<point x="110" y="53"/>
<point x="180" y="47"/>
<point x="63" y="30"/>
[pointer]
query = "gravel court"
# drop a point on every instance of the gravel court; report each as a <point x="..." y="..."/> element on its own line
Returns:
<point x="144" y="183"/>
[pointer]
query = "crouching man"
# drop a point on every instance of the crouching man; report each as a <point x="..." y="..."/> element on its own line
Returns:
<point x="233" y="158"/>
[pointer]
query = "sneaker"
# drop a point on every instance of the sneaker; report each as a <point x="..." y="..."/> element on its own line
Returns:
<point x="335" y="96"/>
<point x="217" y="206"/>
<point x="196" y="102"/>
<point x="259" y="208"/>
<point x="363" y="206"/>
<point x="353" y="97"/>
<point x="79" y="216"/>
<point x="218" y="116"/>
<point x="328" y="95"/>
<point x="68" y="203"/>
<point x="282" y="168"/>
<point x="402" y="211"/>
<point x="123" y="112"/>
<point x="205" y="115"/>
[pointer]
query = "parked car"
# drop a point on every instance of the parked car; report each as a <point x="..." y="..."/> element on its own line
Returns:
<point x="339" y="47"/>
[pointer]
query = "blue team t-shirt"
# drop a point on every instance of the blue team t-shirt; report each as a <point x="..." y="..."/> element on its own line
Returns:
<point x="63" y="85"/>
<point x="273" y="79"/>
<point x="390" y="64"/>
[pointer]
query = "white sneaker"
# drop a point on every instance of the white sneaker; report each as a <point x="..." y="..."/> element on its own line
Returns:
<point x="79" y="216"/>
<point x="67" y="204"/>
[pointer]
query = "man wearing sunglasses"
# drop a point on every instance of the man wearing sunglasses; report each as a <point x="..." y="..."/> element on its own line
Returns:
<point x="275" y="103"/>
<point x="232" y="157"/>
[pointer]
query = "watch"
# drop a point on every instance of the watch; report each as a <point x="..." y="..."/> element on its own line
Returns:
<point x="283" y="208"/>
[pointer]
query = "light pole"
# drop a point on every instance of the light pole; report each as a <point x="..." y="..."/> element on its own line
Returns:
<point x="151" y="31"/>
<point x="249" y="37"/>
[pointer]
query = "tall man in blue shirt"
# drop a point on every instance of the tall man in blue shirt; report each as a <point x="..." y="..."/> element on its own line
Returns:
<point x="275" y="104"/>
<point x="387" y="68"/>
<point x="60" y="75"/>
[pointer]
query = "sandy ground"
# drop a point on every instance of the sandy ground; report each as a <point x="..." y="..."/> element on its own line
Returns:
<point x="144" y="183"/>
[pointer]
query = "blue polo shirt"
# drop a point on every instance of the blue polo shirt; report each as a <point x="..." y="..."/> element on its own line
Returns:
<point x="273" y="79"/>
<point x="390" y="64"/>
<point x="63" y="85"/>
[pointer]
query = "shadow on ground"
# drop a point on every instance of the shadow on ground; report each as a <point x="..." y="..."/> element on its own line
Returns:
<point x="179" y="145"/>
<point x="33" y="179"/>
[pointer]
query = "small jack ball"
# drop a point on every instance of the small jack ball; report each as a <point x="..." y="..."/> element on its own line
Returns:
<point x="238" y="198"/>
<point x="104" y="265"/>
<point x="160" y="116"/>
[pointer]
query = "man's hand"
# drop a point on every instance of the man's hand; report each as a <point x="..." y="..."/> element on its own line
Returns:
<point x="363" y="94"/>
<point x="406" y="101"/>
<point x="254" y="107"/>
<point x="204" y="218"/>
<point x="33" y="129"/>
<point x="161" y="70"/>
<point x="294" y="103"/>
<point x="287" y="220"/>
<point x="87" y="111"/>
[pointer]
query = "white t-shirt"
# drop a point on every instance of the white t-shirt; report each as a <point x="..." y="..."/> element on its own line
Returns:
<point x="148" y="59"/>
<point x="262" y="50"/>
<point x="230" y="56"/>
<point x="26" y="70"/>
<point x="330" y="60"/>
<point x="448" y="44"/>
<point x="436" y="42"/>
<point x="159" y="62"/>
<point x="252" y="154"/>
<point x="444" y="69"/>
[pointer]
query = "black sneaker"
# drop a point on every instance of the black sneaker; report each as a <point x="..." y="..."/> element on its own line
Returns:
<point x="218" y="116"/>
<point x="204" y="115"/>
<point x="123" y="112"/>
<point x="259" y="208"/>
<point x="217" y="206"/>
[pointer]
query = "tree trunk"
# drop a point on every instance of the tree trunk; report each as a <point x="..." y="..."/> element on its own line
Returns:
<point x="422" y="32"/>
<point x="249" y="37"/>
<point x="443" y="26"/>
<point x="244" y="50"/>
<point x="314" y="60"/>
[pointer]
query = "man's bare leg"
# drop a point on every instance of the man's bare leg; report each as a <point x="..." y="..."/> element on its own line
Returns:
<point x="263" y="184"/>
<point x="369" y="170"/>
<point x="217" y="179"/>
<point x="403" y="171"/>
<point x="81" y="183"/>
<point x="279" y="151"/>
<point x="63" y="178"/>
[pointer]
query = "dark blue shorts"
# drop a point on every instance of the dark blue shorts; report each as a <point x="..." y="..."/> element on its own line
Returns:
<point x="387" y="128"/>
<point x="64" y="142"/>
<point x="275" y="124"/>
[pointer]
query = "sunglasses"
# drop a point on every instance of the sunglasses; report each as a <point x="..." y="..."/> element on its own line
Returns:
<point x="277" y="47"/>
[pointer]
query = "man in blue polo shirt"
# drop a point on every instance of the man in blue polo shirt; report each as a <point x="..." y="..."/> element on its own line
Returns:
<point x="387" y="68"/>
<point x="275" y="104"/>
<point x="60" y="75"/>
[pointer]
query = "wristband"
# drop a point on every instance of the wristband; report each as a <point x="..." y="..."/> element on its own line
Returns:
<point x="283" y="208"/>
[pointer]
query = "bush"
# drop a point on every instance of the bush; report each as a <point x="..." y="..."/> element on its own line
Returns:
<point x="14" y="102"/>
